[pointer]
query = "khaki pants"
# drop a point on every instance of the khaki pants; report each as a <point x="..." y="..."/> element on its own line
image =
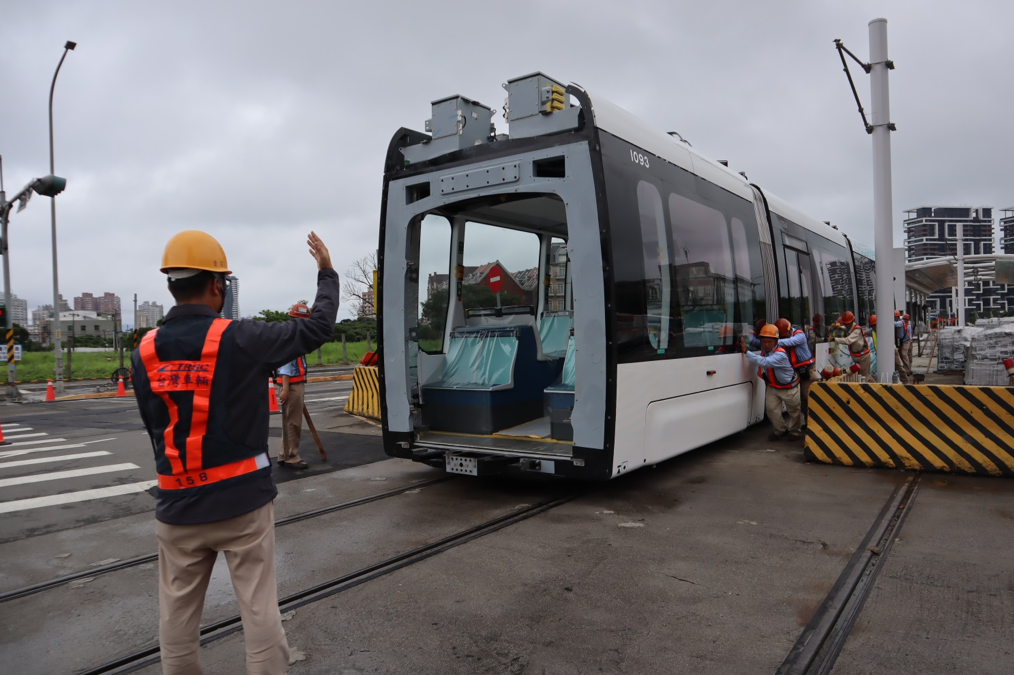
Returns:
<point x="864" y="364"/>
<point x="906" y="356"/>
<point x="292" y="423"/>
<point x="899" y="364"/>
<point x="186" y="556"/>
<point x="774" y="399"/>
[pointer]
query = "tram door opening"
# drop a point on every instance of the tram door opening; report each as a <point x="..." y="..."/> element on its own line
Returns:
<point x="490" y="346"/>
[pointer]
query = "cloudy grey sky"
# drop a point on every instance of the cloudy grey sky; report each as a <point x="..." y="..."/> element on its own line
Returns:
<point x="258" y="121"/>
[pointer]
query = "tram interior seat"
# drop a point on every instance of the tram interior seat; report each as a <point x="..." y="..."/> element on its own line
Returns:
<point x="560" y="397"/>
<point x="492" y="379"/>
<point x="554" y="333"/>
<point x="517" y="315"/>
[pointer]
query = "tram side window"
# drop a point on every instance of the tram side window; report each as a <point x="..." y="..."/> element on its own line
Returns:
<point x="705" y="274"/>
<point x="432" y="243"/>
<point x="556" y="286"/>
<point x="866" y="278"/>
<point x="655" y="248"/>
<point x="835" y="276"/>
<point x="749" y="270"/>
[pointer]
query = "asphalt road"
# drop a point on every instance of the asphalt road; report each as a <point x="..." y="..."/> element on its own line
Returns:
<point x="74" y="463"/>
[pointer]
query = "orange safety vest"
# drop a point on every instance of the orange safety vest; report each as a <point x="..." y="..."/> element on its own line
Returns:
<point x="796" y="363"/>
<point x="866" y="344"/>
<point x="769" y="374"/>
<point x="169" y="377"/>
<point x="301" y="366"/>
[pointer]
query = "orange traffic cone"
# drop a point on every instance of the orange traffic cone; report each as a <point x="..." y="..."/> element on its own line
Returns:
<point x="272" y="399"/>
<point x="50" y="393"/>
<point x="2" y="441"/>
<point x="120" y="389"/>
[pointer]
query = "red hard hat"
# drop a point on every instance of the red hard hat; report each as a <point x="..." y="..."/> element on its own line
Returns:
<point x="854" y="368"/>
<point x="769" y="331"/>
<point x="783" y="327"/>
<point x="906" y="317"/>
<point x="897" y="314"/>
<point x="758" y="325"/>
<point x="848" y="317"/>
<point x="873" y="319"/>
<point x="827" y="373"/>
<point x="817" y="318"/>
<point x="837" y="371"/>
<point x="300" y="311"/>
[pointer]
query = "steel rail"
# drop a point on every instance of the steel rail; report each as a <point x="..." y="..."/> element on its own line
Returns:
<point x="152" y="557"/>
<point x="220" y="629"/>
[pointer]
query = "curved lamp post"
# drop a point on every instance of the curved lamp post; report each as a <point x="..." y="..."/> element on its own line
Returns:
<point x="56" y="286"/>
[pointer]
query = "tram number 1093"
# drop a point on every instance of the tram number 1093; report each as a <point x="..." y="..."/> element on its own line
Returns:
<point x="638" y="158"/>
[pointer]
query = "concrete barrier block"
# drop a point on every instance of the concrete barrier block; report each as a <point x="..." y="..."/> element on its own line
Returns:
<point x="364" y="400"/>
<point x="946" y="428"/>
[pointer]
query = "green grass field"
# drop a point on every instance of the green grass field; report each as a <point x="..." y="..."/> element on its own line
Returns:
<point x="100" y="365"/>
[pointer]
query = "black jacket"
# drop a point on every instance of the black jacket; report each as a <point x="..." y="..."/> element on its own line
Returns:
<point x="238" y="413"/>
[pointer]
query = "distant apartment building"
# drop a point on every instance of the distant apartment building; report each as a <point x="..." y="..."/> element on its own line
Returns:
<point x="230" y="310"/>
<point x="1007" y="231"/>
<point x="149" y="314"/>
<point x="932" y="232"/>
<point x="366" y="310"/>
<point x="42" y="314"/>
<point x="556" y="296"/>
<point x="18" y="311"/>
<point x="109" y="303"/>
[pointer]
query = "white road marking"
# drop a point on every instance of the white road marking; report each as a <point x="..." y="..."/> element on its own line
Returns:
<point x="333" y="398"/>
<point x="42" y="440"/>
<point x="43" y="460"/>
<point x="101" y="440"/>
<point x="18" y="453"/>
<point x="12" y="424"/>
<point x="40" y="433"/>
<point x="18" y="430"/>
<point x="71" y="497"/>
<point x="73" y="473"/>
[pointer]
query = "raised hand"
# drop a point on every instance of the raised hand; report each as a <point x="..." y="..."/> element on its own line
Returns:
<point x="319" y="251"/>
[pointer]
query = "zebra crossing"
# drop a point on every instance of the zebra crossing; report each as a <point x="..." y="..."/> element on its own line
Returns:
<point x="27" y="452"/>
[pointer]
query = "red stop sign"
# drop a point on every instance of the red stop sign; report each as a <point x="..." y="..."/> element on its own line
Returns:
<point x="495" y="279"/>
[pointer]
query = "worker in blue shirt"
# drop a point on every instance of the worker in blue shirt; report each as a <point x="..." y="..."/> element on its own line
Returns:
<point x="794" y="340"/>
<point x="901" y="336"/>
<point x="775" y="368"/>
<point x="292" y="379"/>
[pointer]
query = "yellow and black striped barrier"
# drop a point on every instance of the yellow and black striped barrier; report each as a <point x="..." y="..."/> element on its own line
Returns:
<point x="955" y="429"/>
<point x="364" y="400"/>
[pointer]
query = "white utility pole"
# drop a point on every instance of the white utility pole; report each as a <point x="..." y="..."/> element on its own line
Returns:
<point x="960" y="227"/>
<point x="883" y="204"/>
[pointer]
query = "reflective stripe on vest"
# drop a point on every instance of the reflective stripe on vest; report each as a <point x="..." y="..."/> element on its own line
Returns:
<point x="793" y="359"/>
<point x="908" y="330"/>
<point x="866" y="344"/>
<point x="769" y="375"/>
<point x="166" y="377"/>
<point x="213" y="475"/>
<point x="301" y="366"/>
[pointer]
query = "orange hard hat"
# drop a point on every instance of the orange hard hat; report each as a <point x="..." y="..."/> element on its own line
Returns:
<point x="906" y="317"/>
<point x="848" y="317"/>
<point x="194" y="250"/>
<point x="783" y="327"/>
<point x="873" y="319"/>
<point x="897" y="314"/>
<point x="769" y="331"/>
<point x="300" y="311"/>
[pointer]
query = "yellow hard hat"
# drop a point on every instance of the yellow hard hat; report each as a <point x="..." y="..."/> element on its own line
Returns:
<point x="194" y="250"/>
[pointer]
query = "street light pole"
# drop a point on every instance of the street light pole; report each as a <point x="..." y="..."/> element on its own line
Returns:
<point x="12" y="389"/>
<point x="52" y="206"/>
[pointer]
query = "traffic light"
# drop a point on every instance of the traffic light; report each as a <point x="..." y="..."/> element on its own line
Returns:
<point x="3" y="313"/>
<point x="49" y="186"/>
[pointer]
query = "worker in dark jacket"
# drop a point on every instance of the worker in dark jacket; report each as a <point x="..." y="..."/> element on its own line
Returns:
<point x="199" y="381"/>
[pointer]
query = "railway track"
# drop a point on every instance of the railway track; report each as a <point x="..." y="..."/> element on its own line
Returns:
<point x="220" y="629"/>
<point x="153" y="557"/>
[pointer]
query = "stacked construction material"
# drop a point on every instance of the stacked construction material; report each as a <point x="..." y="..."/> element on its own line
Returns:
<point x="986" y="353"/>
<point x="951" y="347"/>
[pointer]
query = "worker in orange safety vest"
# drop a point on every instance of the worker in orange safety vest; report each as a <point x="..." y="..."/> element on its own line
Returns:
<point x="292" y="378"/>
<point x="199" y="384"/>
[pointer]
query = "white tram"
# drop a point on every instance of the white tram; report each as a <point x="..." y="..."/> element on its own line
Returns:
<point x="627" y="265"/>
